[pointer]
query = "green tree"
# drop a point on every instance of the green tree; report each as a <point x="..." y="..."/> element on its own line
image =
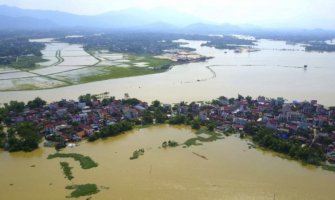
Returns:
<point x="36" y="103"/>
<point x="240" y="97"/>
<point x="106" y="101"/>
<point x="249" y="99"/>
<point x="210" y="126"/>
<point x="178" y="119"/>
<point x="160" y="116"/>
<point x="251" y="128"/>
<point x="23" y="137"/>
<point x="196" y="124"/>
<point x="131" y="101"/>
<point x="156" y="104"/>
<point x="147" y="117"/>
<point x="231" y="100"/>
<point x="14" y="106"/>
<point x="87" y="98"/>
<point x="2" y="136"/>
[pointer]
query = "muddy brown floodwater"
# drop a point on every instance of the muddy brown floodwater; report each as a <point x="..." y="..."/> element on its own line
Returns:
<point x="231" y="171"/>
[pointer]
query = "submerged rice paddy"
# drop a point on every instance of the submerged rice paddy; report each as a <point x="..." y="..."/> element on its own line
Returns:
<point x="69" y="64"/>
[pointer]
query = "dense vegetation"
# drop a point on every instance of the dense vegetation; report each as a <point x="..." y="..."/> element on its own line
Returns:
<point x="12" y="48"/>
<point x="112" y="130"/>
<point x="2" y="136"/>
<point x="137" y="153"/>
<point x="320" y="46"/>
<point x="150" y="43"/>
<point x="267" y="139"/>
<point x="228" y="42"/>
<point x="67" y="170"/>
<point x="127" y="42"/>
<point x="85" y="161"/>
<point x="82" y="190"/>
<point x="23" y="136"/>
<point x="169" y="143"/>
<point x="15" y="107"/>
<point x="211" y="136"/>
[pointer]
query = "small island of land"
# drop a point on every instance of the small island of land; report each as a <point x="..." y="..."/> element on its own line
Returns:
<point x="304" y="130"/>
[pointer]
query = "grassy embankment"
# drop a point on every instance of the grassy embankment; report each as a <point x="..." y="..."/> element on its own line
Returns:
<point x="85" y="161"/>
<point x="154" y="65"/>
<point x="67" y="170"/>
<point x="212" y="136"/>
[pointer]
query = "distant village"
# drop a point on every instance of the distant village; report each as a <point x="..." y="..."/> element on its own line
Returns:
<point x="67" y="121"/>
<point x="182" y="56"/>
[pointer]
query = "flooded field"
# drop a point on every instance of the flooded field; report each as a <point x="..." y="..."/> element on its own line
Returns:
<point x="232" y="171"/>
<point x="69" y="64"/>
<point x="276" y="70"/>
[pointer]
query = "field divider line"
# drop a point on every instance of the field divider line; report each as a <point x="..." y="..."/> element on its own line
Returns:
<point x="40" y="75"/>
<point x="97" y="58"/>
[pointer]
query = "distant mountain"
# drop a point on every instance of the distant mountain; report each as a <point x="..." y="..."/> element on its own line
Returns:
<point x="7" y="22"/>
<point x="159" y="27"/>
<point x="156" y="20"/>
<point x="211" y="28"/>
<point x="130" y="18"/>
<point x="138" y="17"/>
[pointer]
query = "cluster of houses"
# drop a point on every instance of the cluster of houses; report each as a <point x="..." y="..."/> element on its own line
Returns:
<point x="310" y="123"/>
<point x="182" y="56"/>
<point x="71" y="121"/>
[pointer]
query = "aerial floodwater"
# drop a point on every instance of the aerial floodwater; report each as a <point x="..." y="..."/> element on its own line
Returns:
<point x="276" y="70"/>
<point x="167" y="100"/>
<point x="226" y="169"/>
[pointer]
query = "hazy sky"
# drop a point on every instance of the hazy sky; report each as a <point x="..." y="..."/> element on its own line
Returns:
<point x="300" y="13"/>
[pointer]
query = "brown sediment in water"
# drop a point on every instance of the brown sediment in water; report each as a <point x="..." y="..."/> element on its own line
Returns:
<point x="236" y="171"/>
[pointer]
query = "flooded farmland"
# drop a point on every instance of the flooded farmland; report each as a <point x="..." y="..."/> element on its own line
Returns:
<point x="276" y="70"/>
<point x="231" y="171"/>
<point x="69" y="64"/>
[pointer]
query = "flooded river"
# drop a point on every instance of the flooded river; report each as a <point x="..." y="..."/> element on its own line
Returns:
<point x="232" y="171"/>
<point x="276" y="70"/>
